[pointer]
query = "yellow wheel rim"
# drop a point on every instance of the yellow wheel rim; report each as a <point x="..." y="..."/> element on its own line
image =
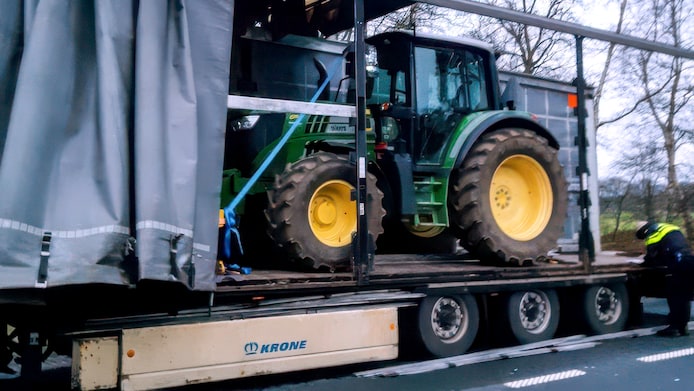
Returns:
<point x="521" y="197"/>
<point x="332" y="214"/>
<point x="424" y="231"/>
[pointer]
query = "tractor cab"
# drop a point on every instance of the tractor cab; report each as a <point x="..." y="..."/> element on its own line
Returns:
<point x="426" y="87"/>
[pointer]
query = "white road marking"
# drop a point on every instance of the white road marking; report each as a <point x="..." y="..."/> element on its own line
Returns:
<point x="667" y="355"/>
<point x="545" y="379"/>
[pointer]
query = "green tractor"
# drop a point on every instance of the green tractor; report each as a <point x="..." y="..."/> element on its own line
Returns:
<point x="448" y="157"/>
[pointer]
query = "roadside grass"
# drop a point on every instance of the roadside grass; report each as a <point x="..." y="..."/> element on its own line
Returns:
<point x="624" y="239"/>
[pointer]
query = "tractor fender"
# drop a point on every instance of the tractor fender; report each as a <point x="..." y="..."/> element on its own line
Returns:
<point x="339" y="147"/>
<point x="494" y="120"/>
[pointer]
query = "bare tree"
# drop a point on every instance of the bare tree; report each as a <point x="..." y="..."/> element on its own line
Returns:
<point x="615" y="191"/>
<point x="611" y="48"/>
<point x="418" y="16"/>
<point x="667" y="93"/>
<point x="529" y="49"/>
<point x="415" y="17"/>
<point x="644" y="164"/>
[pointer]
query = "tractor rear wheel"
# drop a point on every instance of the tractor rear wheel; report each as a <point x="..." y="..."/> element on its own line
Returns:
<point x="311" y="213"/>
<point x="508" y="200"/>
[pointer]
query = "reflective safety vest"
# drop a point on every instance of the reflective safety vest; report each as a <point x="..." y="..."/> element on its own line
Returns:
<point x="660" y="232"/>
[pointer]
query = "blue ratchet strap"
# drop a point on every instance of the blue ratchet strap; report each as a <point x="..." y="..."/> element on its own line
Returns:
<point x="229" y="214"/>
<point x="229" y="229"/>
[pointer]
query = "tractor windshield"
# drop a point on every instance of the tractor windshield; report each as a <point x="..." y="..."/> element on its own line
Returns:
<point x="449" y="83"/>
<point x="450" y="80"/>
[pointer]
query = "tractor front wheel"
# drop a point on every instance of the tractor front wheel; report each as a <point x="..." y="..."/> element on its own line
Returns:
<point x="311" y="213"/>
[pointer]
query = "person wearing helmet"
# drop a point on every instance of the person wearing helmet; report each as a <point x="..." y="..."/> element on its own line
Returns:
<point x="666" y="246"/>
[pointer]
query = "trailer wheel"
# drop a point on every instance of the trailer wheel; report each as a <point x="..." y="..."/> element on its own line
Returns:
<point x="28" y="352"/>
<point x="606" y="308"/>
<point x="508" y="200"/>
<point x="311" y="213"/>
<point x="6" y="346"/>
<point x="533" y="315"/>
<point x="448" y="324"/>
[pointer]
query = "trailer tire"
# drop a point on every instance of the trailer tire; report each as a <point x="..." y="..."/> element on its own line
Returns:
<point x="448" y="325"/>
<point x="311" y="214"/>
<point x="606" y="308"/>
<point x="508" y="199"/>
<point x="533" y="315"/>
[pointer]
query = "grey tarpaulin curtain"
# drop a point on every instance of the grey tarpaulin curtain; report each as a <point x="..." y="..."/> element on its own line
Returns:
<point x="112" y="120"/>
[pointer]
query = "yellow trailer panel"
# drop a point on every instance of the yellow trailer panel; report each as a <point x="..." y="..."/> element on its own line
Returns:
<point x="174" y="355"/>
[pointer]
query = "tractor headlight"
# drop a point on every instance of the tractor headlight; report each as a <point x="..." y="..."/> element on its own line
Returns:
<point x="246" y="122"/>
<point x="389" y="129"/>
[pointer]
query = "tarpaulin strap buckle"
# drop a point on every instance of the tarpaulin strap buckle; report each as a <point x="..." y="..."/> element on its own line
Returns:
<point x="191" y="274"/>
<point x="173" y="251"/>
<point x="43" y="265"/>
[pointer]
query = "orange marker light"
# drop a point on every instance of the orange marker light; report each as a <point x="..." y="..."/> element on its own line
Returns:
<point x="130" y="353"/>
<point x="572" y="101"/>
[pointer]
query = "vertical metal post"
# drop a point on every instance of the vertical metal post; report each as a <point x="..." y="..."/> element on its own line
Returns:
<point x="362" y="257"/>
<point x="586" y="244"/>
<point x="30" y="343"/>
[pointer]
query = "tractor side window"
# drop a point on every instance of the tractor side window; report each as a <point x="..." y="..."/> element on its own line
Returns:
<point x="400" y="83"/>
<point x="435" y="85"/>
<point x="472" y="87"/>
<point x="381" y="86"/>
<point x="428" y="81"/>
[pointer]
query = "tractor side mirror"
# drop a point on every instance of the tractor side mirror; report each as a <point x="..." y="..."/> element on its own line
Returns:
<point x="511" y="93"/>
<point x="349" y="64"/>
<point x="371" y="76"/>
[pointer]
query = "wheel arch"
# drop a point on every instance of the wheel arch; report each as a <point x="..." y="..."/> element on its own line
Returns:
<point x="501" y="120"/>
<point x="337" y="147"/>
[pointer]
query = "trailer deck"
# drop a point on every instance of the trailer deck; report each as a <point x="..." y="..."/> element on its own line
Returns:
<point x="412" y="270"/>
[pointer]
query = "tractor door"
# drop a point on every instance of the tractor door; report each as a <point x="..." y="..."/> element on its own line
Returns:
<point x="449" y="84"/>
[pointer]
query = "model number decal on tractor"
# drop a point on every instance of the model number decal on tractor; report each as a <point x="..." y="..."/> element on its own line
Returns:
<point x="339" y="128"/>
<point x="252" y="348"/>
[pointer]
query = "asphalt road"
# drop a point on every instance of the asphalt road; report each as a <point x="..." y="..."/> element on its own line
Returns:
<point x="627" y="363"/>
